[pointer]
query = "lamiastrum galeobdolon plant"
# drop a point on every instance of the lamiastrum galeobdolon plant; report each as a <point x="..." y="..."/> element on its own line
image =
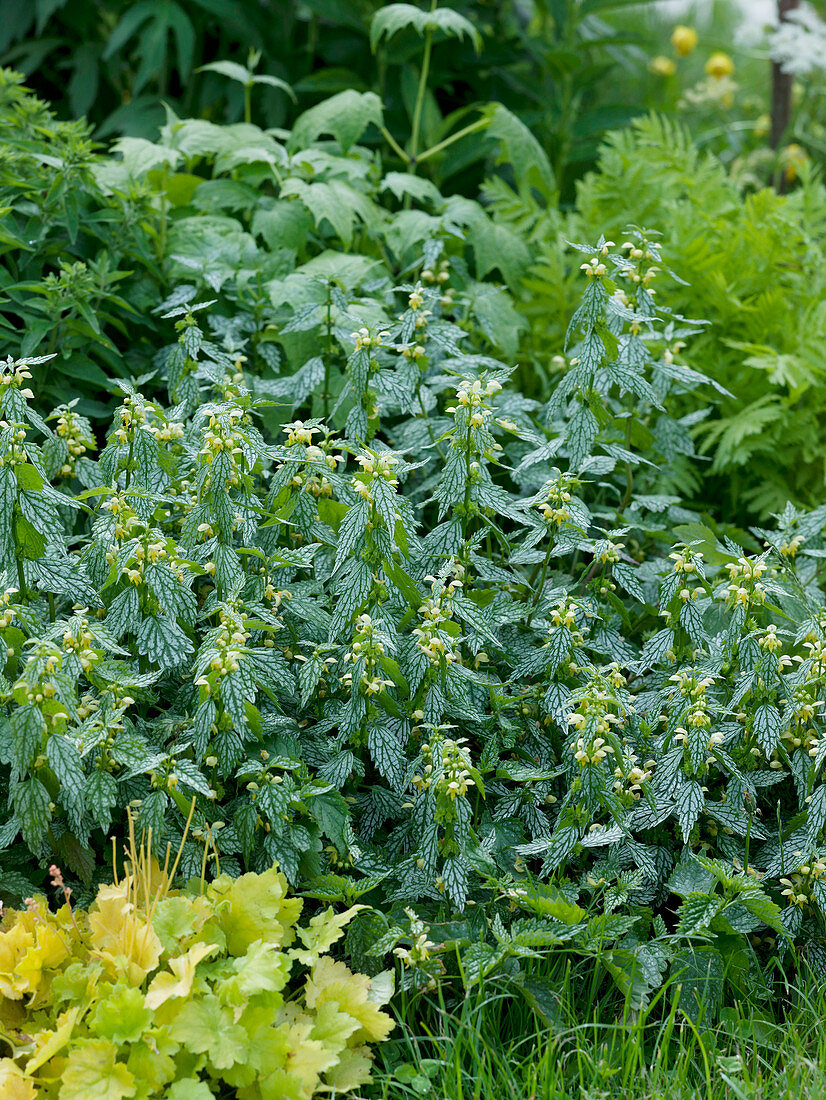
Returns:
<point x="419" y="657"/>
<point x="424" y="643"/>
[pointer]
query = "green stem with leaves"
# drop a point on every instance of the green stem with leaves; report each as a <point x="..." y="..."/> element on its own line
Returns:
<point x="328" y="354"/>
<point x="540" y="587"/>
<point x="21" y="576"/>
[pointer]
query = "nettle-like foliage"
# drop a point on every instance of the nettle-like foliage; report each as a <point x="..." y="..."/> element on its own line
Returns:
<point x="334" y="586"/>
<point x="155" y="992"/>
<point x="433" y="647"/>
<point x="79" y="265"/>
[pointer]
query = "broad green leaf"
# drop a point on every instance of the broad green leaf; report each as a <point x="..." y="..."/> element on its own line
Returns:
<point x="392" y="18"/>
<point x="520" y="150"/>
<point x="122" y="1017"/>
<point x="93" y="1073"/>
<point x="204" y="1026"/>
<point x="346" y="116"/>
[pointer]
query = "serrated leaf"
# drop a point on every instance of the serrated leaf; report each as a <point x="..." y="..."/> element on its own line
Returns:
<point x="163" y="642"/>
<point x="346" y="116"/>
<point x="688" y="806"/>
<point x="392" y="18"/>
<point x="656" y="648"/>
<point x="31" y="808"/>
<point x="580" y="434"/>
<point x="101" y="794"/>
<point x="64" y="760"/>
<point x="767" y="727"/>
<point x="624" y="574"/>
<point x="455" y="876"/>
<point x="557" y="648"/>
<point x="697" y="912"/>
<point x="692" y="622"/>
<point x="387" y="753"/>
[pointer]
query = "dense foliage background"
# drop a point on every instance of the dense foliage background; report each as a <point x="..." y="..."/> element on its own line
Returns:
<point x="408" y="482"/>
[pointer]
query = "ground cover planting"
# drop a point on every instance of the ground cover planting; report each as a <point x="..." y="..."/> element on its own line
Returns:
<point x="413" y="633"/>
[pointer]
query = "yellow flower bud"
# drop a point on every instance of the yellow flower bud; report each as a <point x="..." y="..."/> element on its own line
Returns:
<point x="662" y="66"/>
<point x="719" y="65"/>
<point x="684" y="40"/>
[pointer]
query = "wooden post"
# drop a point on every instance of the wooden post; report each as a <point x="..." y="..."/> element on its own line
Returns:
<point x="781" y="85"/>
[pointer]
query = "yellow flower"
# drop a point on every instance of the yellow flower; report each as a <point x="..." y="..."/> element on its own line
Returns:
<point x="662" y="66"/>
<point x="719" y="65"/>
<point x="791" y="159"/>
<point x="684" y="40"/>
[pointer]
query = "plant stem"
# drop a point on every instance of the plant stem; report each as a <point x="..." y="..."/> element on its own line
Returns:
<point x="466" y="517"/>
<point x="541" y="585"/>
<point x="394" y="145"/>
<point x="328" y="353"/>
<point x="420" y="94"/>
<point x="472" y="128"/>
<point x="248" y="103"/>
<point x="129" y="462"/>
<point x="430" y="431"/>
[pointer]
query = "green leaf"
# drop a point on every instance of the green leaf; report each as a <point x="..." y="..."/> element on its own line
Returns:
<point x="163" y="641"/>
<point x="336" y="203"/>
<point x="32" y="809"/>
<point x="697" y="912"/>
<point x="65" y="762"/>
<point x="205" y="1027"/>
<point x="558" y="648"/>
<point x="64" y="575"/>
<point x="30" y="542"/>
<point x="101" y="796"/>
<point x="274" y="82"/>
<point x="92" y="1072"/>
<point x="332" y="814"/>
<point x="555" y="849"/>
<point x="688" y="806"/>
<point x="497" y="247"/>
<point x="625" y="575"/>
<point x="392" y="18"/>
<point x="581" y="432"/>
<point x="698" y="974"/>
<point x="629" y="975"/>
<point x="692" y="621"/>
<point x="657" y="647"/>
<point x="230" y="69"/>
<point x="766" y="910"/>
<point x="351" y="530"/>
<point x="455" y="875"/>
<point x="190" y="1090"/>
<point x="28" y="477"/>
<point x="544" y="997"/>
<point x="387" y="753"/>
<point x="767" y="727"/>
<point x="402" y="184"/>
<point x="520" y="150"/>
<point x="452" y="24"/>
<point x="498" y="318"/>
<point x="346" y="116"/>
<point x="122" y="1016"/>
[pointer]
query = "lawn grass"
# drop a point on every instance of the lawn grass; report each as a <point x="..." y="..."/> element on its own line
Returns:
<point x="490" y="1045"/>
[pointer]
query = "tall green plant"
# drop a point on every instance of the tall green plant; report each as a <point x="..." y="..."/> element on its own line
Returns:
<point x="752" y="266"/>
